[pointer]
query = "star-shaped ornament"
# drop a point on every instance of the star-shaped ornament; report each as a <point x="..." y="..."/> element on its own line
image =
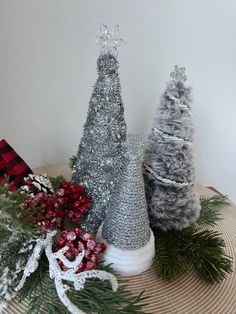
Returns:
<point x="109" y="40"/>
<point x="178" y="74"/>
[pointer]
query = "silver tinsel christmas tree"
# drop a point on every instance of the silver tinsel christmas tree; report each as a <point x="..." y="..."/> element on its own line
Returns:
<point x="102" y="149"/>
<point x="168" y="160"/>
<point x="126" y="225"/>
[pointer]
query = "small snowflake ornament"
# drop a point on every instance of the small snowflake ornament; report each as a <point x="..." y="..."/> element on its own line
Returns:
<point x="178" y="74"/>
<point x="109" y="39"/>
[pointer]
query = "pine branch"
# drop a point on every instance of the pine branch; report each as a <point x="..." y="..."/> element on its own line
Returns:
<point x="57" y="181"/>
<point x="13" y="217"/>
<point x="209" y="214"/>
<point x="177" y="250"/>
<point x="97" y="296"/>
<point x="40" y="292"/>
<point x="169" y="260"/>
<point x="205" y="249"/>
<point x="72" y="161"/>
<point x="15" y="250"/>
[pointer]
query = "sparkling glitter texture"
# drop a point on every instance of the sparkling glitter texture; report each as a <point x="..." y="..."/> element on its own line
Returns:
<point x="126" y="225"/>
<point x="102" y="149"/>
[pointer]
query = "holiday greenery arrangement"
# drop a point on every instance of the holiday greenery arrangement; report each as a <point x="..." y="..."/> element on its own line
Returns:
<point x="63" y="243"/>
<point x="21" y="229"/>
<point x="28" y="223"/>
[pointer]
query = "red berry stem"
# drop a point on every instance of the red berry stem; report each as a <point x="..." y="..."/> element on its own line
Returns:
<point x="68" y="202"/>
<point x="78" y="242"/>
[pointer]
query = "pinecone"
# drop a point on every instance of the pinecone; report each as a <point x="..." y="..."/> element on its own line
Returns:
<point x="37" y="183"/>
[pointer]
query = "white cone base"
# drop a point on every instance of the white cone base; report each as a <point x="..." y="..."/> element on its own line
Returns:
<point x="130" y="262"/>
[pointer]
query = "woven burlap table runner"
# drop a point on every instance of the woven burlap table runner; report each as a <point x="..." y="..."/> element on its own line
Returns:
<point x="187" y="294"/>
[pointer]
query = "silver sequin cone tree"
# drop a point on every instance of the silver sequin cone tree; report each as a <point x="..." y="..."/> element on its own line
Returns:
<point x="126" y="227"/>
<point x="102" y="149"/>
<point x="169" y="170"/>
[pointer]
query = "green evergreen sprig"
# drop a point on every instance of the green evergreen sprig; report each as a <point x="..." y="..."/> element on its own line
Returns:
<point x="170" y="260"/>
<point x="97" y="296"/>
<point x="16" y="231"/>
<point x="209" y="214"/>
<point x="178" y="250"/>
<point x="13" y="216"/>
<point x="205" y="250"/>
<point x="72" y="161"/>
<point x="57" y="181"/>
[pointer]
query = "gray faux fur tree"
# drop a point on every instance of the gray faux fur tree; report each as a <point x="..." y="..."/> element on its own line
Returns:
<point x="168" y="160"/>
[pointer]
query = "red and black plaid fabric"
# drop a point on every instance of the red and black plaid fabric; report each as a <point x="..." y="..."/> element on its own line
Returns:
<point x="12" y="165"/>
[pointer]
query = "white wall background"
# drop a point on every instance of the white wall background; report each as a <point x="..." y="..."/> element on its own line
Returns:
<point x="48" y="67"/>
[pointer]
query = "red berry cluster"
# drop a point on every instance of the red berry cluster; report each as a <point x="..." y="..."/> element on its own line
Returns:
<point x="77" y="243"/>
<point x="68" y="200"/>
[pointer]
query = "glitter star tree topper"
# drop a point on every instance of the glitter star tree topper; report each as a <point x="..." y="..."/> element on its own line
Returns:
<point x="109" y="40"/>
<point x="178" y="74"/>
<point x="102" y="149"/>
